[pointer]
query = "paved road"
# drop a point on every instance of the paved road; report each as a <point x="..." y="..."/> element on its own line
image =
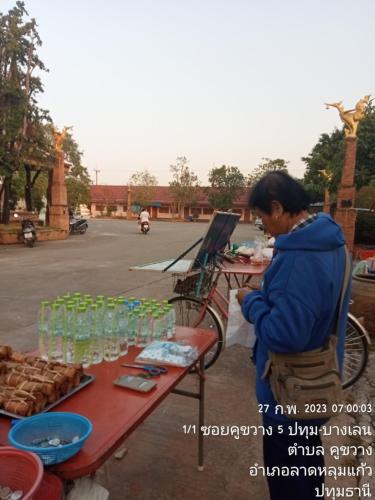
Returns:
<point x="96" y="263"/>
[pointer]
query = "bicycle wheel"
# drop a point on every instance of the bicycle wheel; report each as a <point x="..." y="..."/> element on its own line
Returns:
<point x="188" y="311"/>
<point x="355" y="352"/>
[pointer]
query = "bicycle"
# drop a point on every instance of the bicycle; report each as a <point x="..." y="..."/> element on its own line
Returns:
<point x="199" y="304"/>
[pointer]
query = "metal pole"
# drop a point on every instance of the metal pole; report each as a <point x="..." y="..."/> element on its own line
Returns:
<point x="96" y="175"/>
<point x="201" y="414"/>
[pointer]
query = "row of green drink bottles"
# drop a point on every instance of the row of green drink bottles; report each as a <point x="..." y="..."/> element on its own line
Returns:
<point x="78" y="328"/>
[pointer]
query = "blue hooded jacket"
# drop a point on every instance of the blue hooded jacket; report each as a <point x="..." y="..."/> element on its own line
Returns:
<point x="296" y="308"/>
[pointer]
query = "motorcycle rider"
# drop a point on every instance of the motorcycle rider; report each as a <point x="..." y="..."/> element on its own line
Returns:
<point x="144" y="217"/>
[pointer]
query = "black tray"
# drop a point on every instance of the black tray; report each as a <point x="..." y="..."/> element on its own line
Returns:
<point x="86" y="379"/>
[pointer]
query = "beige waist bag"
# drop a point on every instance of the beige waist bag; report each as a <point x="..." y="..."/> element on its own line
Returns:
<point x="308" y="384"/>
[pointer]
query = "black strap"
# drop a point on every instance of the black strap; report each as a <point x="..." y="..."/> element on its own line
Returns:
<point x="344" y="288"/>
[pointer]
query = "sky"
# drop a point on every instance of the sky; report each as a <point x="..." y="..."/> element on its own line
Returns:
<point x="219" y="82"/>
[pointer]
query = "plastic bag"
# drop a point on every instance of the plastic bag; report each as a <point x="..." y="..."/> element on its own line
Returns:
<point x="239" y="331"/>
<point x="168" y="353"/>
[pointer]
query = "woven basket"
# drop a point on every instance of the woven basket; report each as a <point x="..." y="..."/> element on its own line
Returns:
<point x="188" y="286"/>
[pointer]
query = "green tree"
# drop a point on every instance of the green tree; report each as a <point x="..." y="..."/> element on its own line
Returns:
<point x="18" y="89"/>
<point x="265" y="167"/>
<point x="365" y="198"/>
<point x="226" y="184"/>
<point x="365" y="163"/>
<point x="184" y="185"/>
<point x="143" y="188"/>
<point x="78" y="179"/>
<point x="328" y="155"/>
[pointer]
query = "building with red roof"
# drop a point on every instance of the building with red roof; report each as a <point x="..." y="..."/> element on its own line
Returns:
<point x="112" y="201"/>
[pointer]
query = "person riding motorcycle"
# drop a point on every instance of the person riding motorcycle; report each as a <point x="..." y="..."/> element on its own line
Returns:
<point x="144" y="218"/>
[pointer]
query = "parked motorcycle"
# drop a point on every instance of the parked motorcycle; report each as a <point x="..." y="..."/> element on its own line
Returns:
<point x="145" y="227"/>
<point x="78" y="226"/>
<point x="28" y="232"/>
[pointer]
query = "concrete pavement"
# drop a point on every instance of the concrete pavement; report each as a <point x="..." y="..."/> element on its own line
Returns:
<point x="161" y="463"/>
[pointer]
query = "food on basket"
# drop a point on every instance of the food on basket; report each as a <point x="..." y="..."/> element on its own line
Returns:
<point x="28" y="383"/>
<point x="5" y="351"/>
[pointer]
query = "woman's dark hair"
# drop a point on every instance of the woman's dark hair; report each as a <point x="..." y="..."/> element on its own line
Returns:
<point x="279" y="186"/>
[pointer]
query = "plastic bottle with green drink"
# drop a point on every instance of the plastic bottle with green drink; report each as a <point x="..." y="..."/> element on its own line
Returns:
<point x="95" y="334"/>
<point x="82" y="350"/>
<point x="69" y="332"/>
<point x="55" y="334"/>
<point x="43" y="328"/>
<point x="111" y="344"/>
<point x="122" y="315"/>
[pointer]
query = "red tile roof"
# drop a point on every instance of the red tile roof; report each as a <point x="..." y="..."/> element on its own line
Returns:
<point x="108" y="194"/>
<point x="118" y="194"/>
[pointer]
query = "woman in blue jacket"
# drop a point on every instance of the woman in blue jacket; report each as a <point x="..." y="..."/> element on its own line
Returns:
<point x="294" y="311"/>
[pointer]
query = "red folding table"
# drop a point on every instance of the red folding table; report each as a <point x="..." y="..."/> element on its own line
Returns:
<point x="116" y="412"/>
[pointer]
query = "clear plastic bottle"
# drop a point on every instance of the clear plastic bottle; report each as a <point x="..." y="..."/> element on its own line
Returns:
<point x="132" y="328"/>
<point x="148" y="313"/>
<point x="168" y="320"/>
<point x="156" y="326"/>
<point x="95" y="334"/>
<point x="55" y="336"/>
<point x="43" y="328"/>
<point x="122" y="314"/>
<point x="111" y="344"/>
<point x="172" y="328"/>
<point x="163" y="323"/>
<point x="82" y="351"/>
<point x="143" y="330"/>
<point x="69" y="332"/>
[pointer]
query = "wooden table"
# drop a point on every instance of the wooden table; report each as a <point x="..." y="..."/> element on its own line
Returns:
<point x="116" y="412"/>
<point x="242" y="272"/>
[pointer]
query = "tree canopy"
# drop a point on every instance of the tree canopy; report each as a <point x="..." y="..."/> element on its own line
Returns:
<point x="27" y="149"/>
<point x="143" y="187"/>
<point x="226" y="184"/>
<point x="184" y="186"/>
<point x="266" y="166"/>
<point x="328" y="156"/>
<point x="78" y="180"/>
<point x="20" y="117"/>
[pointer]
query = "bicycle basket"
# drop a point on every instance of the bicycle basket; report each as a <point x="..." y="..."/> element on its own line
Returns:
<point x="188" y="286"/>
